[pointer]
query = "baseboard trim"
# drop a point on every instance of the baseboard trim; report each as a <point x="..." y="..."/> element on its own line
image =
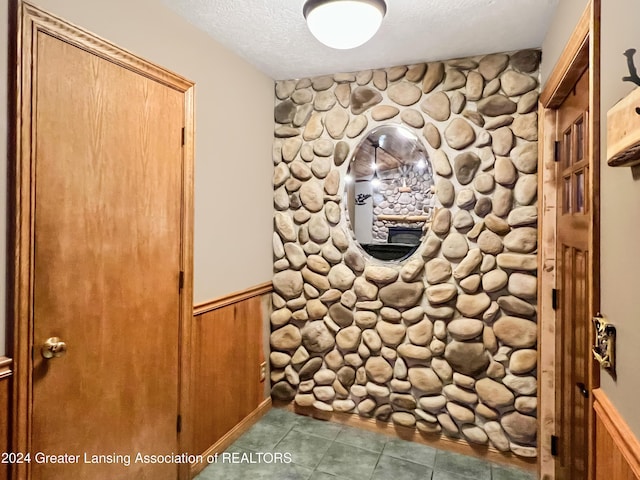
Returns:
<point x="232" y="298"/>
<point x="437" y="441"/>
<point x="232" y="435"/>
<point x="622" y="436"/>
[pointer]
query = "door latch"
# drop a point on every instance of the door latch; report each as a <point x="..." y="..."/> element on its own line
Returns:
<point x="583" y="389"/>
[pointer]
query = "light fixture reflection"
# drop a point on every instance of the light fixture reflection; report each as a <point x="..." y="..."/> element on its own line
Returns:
<point x="344" y="24"/>
<point x="406" y="134"/>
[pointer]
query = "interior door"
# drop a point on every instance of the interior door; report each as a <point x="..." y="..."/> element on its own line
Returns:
<point x="573" y="312"/>
<point x="106" y="269"/>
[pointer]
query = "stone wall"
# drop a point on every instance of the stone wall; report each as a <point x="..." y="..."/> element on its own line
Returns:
<point x="445" y="341"/>
<point x="394" y="202"/>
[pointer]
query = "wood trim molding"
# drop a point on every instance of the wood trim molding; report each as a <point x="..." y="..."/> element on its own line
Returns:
<point x="547" y="226"/>
<point x="233" y="434"/>
<point x="436" y="440"/>
<point x="582" y="51"/>
<point x="186" y="299"/>
<point x="235" y="297"/>
<point x="82" y="38"/>
<point x="622" y="436"/>
<point x="572" y="63"/>
<point x="5" y="413"/>
<point x="6" y="367"/>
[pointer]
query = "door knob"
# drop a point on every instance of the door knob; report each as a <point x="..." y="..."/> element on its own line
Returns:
<point x="53" y="348"/>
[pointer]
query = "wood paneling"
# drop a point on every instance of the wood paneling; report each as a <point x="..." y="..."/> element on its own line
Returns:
<point x="617" y="449"/>
<point x="6" y="372"/>
<point x="227" y="392"/>
<point x="232" y="435"/>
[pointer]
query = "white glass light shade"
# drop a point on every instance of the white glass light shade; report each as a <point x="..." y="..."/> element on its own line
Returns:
<point x="344" y="24"/>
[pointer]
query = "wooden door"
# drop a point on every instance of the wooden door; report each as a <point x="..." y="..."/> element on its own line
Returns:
<point x="106" y="175"/>
<point x="573" y="269"/>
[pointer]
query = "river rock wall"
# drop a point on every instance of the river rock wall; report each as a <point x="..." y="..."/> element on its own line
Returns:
<point x="445" y="341"/>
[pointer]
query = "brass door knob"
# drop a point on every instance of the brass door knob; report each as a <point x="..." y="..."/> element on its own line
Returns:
<point x="53" y="348"/>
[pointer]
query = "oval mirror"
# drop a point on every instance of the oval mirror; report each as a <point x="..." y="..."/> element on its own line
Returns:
<point x="388" y="192"/>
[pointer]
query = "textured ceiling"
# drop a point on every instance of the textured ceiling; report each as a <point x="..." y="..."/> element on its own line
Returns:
<point x="272" y="34"/>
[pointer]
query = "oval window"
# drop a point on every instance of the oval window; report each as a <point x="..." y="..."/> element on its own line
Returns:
<point x="388" y="192"/>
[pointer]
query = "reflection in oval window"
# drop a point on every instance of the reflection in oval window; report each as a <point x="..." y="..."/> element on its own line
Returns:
<point x="388" y="192"/>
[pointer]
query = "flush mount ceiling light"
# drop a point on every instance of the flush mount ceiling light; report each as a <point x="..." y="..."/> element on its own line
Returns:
<point x="344" y="24"/>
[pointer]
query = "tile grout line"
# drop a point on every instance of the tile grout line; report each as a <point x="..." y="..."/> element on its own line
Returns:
<point x="307" y="428"/>
<point x="315" y="469"/>
<point x="377" y="461"/>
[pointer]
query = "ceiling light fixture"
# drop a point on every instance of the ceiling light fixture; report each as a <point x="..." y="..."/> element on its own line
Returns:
<point x="344" y="24"/>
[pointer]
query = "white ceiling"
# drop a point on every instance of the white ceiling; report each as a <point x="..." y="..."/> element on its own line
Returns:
<point x="272" y="34"/>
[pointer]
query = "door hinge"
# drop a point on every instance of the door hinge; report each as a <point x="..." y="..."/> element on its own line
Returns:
<point x="556" y="151"/>
<point x="554" y="445"/>
<point x="181" y="280"/>
<point x="179" y="424"/>
<point x="183" y="134"/>
<point x="554" y="298"/>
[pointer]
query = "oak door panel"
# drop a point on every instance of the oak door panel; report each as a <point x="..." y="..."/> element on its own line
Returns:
<point x="108" y="199"/>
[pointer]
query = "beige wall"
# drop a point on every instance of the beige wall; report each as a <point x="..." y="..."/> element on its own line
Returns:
<point x="620" y="232"/>
<point x="234" y="135"/>
<point x="620" y="197"/>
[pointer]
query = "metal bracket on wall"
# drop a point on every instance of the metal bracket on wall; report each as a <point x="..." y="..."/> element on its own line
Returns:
<point x="605" y="342"/>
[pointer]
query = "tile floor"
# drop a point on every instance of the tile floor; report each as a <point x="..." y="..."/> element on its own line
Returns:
<point x="311" y="449"/>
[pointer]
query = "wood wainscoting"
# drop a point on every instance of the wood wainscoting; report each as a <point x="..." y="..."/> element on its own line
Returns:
<point x="228" y="394"/>
<point x="617" y="449"/>
<point x="6" y="377"/>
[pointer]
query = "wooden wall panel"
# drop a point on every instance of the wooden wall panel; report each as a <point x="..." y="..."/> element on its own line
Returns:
<point x="6" y="380"/>
<point x="5" y="405"/>
<point x="226" y="358"/>
<point x="617" y="449"/>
